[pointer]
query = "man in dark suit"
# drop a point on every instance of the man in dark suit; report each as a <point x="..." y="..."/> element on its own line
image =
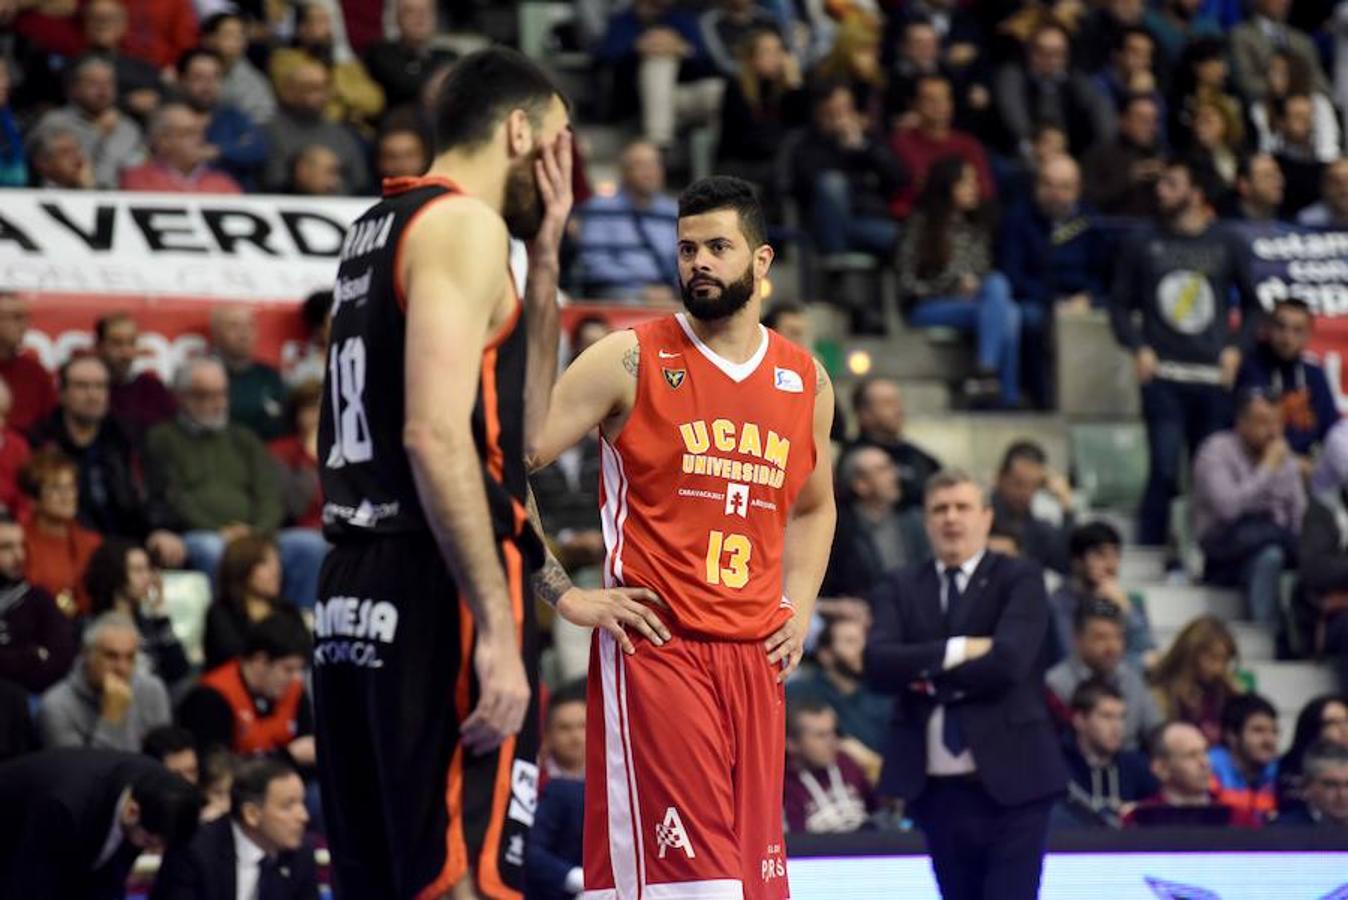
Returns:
<point x="74" y="821"/>
<point x="971" y="749"/>
<point x="258" y="851"/>
<point x="1326" y="797"/>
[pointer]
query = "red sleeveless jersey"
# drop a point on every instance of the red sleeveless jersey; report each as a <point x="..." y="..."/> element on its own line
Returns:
<point x="697" y="488"/>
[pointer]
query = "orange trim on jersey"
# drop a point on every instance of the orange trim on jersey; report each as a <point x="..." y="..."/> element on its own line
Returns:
<point x="492" y="416"/>
<point x="488" y="871"/>
<point x="456" y="848"/>
<point x="399" y="293"/>
<point x="392" y="187"/>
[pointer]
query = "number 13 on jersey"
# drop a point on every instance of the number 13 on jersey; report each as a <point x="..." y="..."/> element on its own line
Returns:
<point x="728" y="559"/>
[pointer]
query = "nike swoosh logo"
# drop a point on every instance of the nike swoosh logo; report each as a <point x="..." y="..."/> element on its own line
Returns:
<point x="664" y="355"/>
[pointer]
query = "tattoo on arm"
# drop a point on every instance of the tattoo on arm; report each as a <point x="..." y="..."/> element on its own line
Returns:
<point x="551" y="581"/>
<point x="820" y="378"/>
<point x="631" y="360"/>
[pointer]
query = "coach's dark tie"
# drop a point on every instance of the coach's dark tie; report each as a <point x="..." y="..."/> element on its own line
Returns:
<point x="951" y="733"/>
<point x="270" y="881"/>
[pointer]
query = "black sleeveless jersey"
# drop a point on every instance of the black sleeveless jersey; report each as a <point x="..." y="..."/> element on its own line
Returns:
<point x="366" y="477"/>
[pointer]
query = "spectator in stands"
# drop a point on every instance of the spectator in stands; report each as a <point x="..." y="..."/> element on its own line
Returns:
<point x="1326" y="803"/>
<point x="255" y="704"/>
<point x="792" y="321"/>
<point x="137" y="400"/>
<point x="1177" y="24"/>
<point x="1186" y="354"/>
<point x="1332" y="211"/>
<point x="1216" y="142"/>
<point x="57" y="546"/>
<point x="217" y="780"/>
<point x="76" y="821"/>
<point x="355" y="98"/>
<point x="315" y="171"/>
<point x="659" y="68"/>
<point x="1254" y="43"/>
<point x="1323" y="557"/>
<point x="1323" y="719"/>
<point x="260" y="850"/>
<point x="172" y="746"/>
<point x="1302" y="172"/>
<point x="1096" y="552"/>
<point x="296" y="457"/>
<point x="121" y="578"/>
<point x="13" y="166"/>
<point x="248" y="592"/>
<point x="1203" y="79"/>
<point x="1260" y="189"/>
<point x="1023" y="475"/>
<point x="843" y="178"/>
<point x="37" y="643"/>
<point x="837" y="680"/>
<point x="402" y="67"/>
<point x="58" y="158"/>
<point x="826" y="792"/>
<point x="1104" y="778"/>
<point x="14" y="455"/>
<point x="106" y="31"/>
<point x="931" y="137"/>
<point x="552" y="867"/>
<point x="1131" y="71"/>
<point x="1045" y="90"/>
<point x="1179" y="760"/>
<point x="1248" y="500"/>
<point x="764" y="103"/>
<point x="1194" y="679"/>
<point x="30" y="385"/>
<point x="235" y="144"/>
<point x="1098" y="652"/>
<point x="627" y="240"/>
<point x="110" y="139"/>
<point x="304" y="92"/>
<point x="164" y="30"/>
<point x="215" y="481"/>
<point x="110" y="499"/>
<point x="1122" y="175"/>
<point x="945" y="269"/>
<point x="726" y="24"/>
<point x="877" y="406"/>
<point x="244" y="87"/>
<point x="256" y="392"/>
<point x="1101" y="29"/>
<point x="1280" y="366"/>
<point x="874" y="533"/>
<point x="107" y="700"/>
<point x="854" y="60"/>
<point x="316" y="317"/>
<point x="1053" y="255"/>
<point x="1316" y="135"/>
<point x="919" y="55"/>
<point x="1245" y="765"/>
<point x="400" y="151"/>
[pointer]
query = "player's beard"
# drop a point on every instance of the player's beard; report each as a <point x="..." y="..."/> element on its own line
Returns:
<point x="523" y="207"/>
<point x="730" y="299"/>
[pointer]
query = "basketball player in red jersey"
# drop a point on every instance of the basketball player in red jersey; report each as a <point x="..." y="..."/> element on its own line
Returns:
<point x="717" y="496"/>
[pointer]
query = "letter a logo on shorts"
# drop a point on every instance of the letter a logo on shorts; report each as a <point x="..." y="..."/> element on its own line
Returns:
<point x="671" y="835"/>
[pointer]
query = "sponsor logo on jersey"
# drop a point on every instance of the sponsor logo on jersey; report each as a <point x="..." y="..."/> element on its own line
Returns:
<point x="674" y="377"/>
<point x="515" y="850"/>
<point x="665" y="354"/>
<point x="787" y="380"/>
<point x="367" y="515"/>
<point x="367" y="236"/>
<point x="523" y="792"/>
<point x="350" y="631"/>
<point x="746" y="439"/>
<point x="671" y="835"/>
<point x="349" y="290"/>
<point x="773" y="864"/>
<point x="737" y="500"/>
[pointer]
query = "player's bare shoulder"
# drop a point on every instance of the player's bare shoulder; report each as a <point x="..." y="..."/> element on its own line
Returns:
<point x="454" y="233"/>
<point x="822" y="382"/>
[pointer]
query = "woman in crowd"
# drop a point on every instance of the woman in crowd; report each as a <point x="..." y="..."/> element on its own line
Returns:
<point x="762" y="104"/>
<point x="249" y="590"/>
<point x="855" y="62"/>
<point x="1218" y="139"/>
<point x="296" y="458"/>
<point x="58" y="547"/>
<point x="1324" y="718"/>
<point x="1203" y="78"/>
<point x="1288" y="76"/>
<point x="945" y="271"/>
<point x="121" y="578"/>
<point x="1194" y="679"/>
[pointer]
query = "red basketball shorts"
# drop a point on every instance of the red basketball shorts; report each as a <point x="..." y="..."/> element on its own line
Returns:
<point x="685" y="748"/>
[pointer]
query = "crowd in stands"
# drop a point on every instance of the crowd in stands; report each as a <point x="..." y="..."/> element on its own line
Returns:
<point x="1008" y="163"/>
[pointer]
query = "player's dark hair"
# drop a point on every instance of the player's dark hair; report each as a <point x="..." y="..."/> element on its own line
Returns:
<point x="482" y="89"/>
<point x="166" y="740"/>
<point x="252" y="778"/>
<point x="1090" y="692"/>
<point x="1240" y="709"/>
<point x="1092" y="536"/>
<point x="277" y="637"/>
<point x="170" y="807"/>
<point x="726" y="192"/>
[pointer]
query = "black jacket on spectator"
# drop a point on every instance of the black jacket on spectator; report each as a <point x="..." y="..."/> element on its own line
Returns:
<point x="37" y="642"/>
<point x="915" y="466"/>
<point x="205" y="870"/>
<point x="1108" y="178"/>
<point x="873" y="173"/>
<point x="999" y="698"/>
<point x="17" y="734"/>
<point x="554" y="846"/>
<point x="1041" y="541"/>
<point x="564" y="504"/>
<point x="1094" y="795"/>
<point x="855" y="565"/>
<point x="111" y="501"/>
<point x="59" y="807"/>
<point x="752" y="135"/>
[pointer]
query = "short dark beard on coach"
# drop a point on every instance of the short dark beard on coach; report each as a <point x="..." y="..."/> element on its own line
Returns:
<point x="523" y="206"/>
<point x="732" y="299"/>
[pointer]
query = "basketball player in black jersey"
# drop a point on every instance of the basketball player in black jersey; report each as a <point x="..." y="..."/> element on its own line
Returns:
<point x="424" y="664"/>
